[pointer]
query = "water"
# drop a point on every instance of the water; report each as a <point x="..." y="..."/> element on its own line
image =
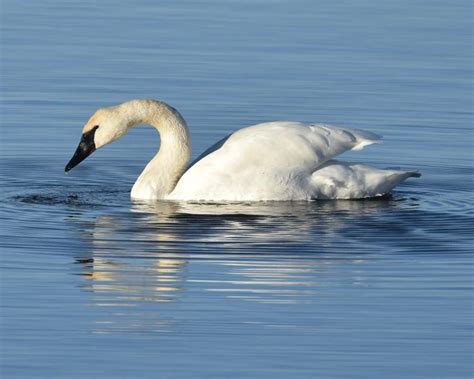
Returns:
<point x="95" y="285"/>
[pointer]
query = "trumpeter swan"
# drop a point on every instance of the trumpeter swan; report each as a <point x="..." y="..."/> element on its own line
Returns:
<point x="270" y="161"/>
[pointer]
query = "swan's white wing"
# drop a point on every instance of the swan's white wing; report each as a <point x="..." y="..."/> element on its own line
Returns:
<point x="267" y="161"/>
<point x="344" y="180"/>
<point x="210" y="150"/>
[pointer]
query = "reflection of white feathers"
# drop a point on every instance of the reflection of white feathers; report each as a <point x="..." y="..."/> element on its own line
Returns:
<point x="270" y="161"/>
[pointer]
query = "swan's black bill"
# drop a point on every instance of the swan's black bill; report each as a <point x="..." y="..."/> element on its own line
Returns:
<point x="86" y="147"/>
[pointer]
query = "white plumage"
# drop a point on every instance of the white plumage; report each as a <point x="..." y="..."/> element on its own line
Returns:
<point x="270" y="161"/>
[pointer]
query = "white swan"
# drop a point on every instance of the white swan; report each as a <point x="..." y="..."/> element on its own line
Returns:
<point x="270" y="161"/>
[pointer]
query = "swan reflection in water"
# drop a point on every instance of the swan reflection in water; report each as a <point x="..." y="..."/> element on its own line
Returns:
<point x="275" y="253"/>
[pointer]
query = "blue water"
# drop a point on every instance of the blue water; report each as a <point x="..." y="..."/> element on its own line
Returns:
<point x="95" y="285"/>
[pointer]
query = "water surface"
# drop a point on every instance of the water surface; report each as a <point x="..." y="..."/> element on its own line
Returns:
<point x="93" y="284"/>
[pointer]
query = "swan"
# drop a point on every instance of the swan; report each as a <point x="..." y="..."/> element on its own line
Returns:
<point x="271" y="161"/>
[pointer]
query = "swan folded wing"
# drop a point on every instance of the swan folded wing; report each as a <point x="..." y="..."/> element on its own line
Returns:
<point x="286" y="145"/>
<point x="265" y="159"/>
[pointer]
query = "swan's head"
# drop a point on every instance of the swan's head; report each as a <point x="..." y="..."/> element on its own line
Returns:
<point x="104" y="127"/>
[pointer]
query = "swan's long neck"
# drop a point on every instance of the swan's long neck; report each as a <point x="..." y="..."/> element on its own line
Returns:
<point x="162" y="173"/>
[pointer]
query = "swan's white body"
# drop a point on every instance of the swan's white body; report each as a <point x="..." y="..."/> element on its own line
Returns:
<point x="270" y="161"/>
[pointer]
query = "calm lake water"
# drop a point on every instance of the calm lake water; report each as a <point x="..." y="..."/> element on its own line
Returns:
<point x="93" y="285"/>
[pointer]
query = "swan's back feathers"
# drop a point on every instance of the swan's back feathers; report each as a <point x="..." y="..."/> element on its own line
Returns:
<point x="275" y="152"/>
<point x="291" y="141"/>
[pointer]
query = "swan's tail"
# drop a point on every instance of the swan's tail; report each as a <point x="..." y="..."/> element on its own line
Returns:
<point x="400" y="176"/>
<point x="413" y="174"/>
<point x="394" y="179"/>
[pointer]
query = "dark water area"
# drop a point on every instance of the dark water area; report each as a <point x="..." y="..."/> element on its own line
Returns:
<point x="93" y="284"/>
